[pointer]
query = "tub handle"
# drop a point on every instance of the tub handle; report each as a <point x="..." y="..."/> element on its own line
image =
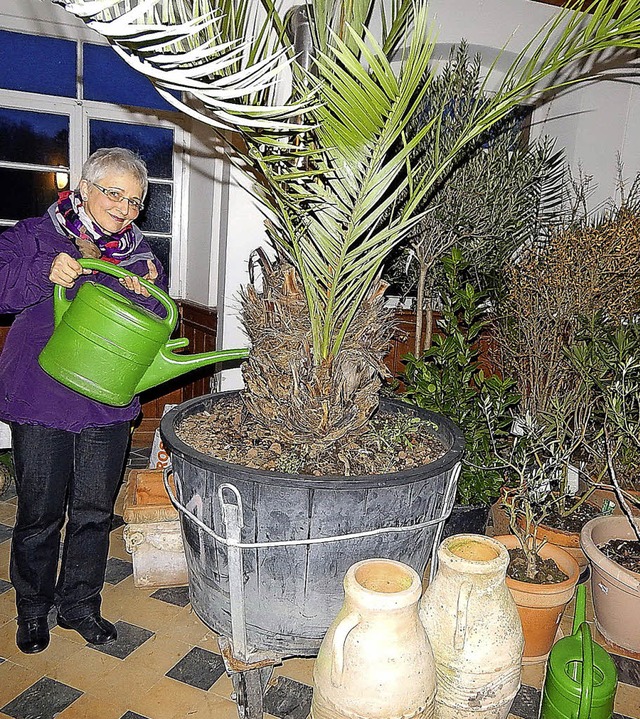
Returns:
<point x="339" y="638"/>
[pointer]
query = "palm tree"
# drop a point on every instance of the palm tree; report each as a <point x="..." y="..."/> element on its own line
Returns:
<point x="333" y="159"/>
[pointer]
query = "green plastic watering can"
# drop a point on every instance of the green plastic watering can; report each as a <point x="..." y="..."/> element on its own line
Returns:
<point x="109" y="348"/>
<point x="581" y="677"/>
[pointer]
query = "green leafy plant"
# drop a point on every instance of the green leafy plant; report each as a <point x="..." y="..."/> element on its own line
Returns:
<point x="495" y="197"/>
<point x="447" y="378"/>
<point x="607" y="357"/>
<point x="535" y="464"/>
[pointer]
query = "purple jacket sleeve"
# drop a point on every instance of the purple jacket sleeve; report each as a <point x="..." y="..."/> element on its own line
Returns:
<point x="24" y="268"/>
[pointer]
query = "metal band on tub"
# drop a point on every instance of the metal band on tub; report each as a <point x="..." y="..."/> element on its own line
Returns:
<point x="448" y="504"/>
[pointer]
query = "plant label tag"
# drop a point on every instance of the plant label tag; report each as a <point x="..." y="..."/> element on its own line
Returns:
<point x="517" y="427"/>
<point x="607" y="507"/>
<point x="572" y="479"/>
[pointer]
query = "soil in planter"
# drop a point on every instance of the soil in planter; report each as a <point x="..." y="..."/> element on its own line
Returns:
<point x="547" y="571"/>
<point x="393" y="442"/>
<point x="574" y="521"/>
<point x="625" y="552"/>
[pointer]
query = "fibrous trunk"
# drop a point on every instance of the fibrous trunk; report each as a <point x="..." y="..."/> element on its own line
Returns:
<point x="300" y="399"/>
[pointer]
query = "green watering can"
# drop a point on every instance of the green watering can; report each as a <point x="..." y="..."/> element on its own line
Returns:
<point x="109" y="348"/>
<point x="581" y="677"/>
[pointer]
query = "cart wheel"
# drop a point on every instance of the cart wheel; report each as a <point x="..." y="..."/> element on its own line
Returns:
<point x="249" y="688"/>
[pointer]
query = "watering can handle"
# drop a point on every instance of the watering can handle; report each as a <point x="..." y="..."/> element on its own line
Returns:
<point x="580" y="614"/>
<point x="584" y="710"/>
<point x="60" y="295"/>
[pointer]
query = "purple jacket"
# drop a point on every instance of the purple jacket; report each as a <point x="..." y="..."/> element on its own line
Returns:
<point x="27" y="394"/>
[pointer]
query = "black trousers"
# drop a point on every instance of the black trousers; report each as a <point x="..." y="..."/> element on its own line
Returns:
<point x="64" y="475"/>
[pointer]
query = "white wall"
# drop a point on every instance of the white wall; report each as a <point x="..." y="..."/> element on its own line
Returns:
<point x="199" y="248"/>
<point x="43" y="17"/>
<point x="592" y="122"/>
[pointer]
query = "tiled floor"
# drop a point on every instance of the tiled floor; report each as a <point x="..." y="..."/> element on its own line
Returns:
<point x="166" y="664"/>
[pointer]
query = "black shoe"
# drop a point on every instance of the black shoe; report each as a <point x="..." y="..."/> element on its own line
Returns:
<point x="32" y="635"/>
<point x="94" y="629"/>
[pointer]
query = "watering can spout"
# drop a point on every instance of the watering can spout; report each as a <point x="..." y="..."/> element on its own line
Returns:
<point x="167" y="365"/>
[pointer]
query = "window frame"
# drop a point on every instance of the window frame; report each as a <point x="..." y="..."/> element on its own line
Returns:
<point x="80" y="113"/>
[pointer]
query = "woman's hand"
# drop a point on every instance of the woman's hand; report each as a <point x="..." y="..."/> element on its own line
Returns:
<point x="65" y="270"/>
<point x="132" y="282"/>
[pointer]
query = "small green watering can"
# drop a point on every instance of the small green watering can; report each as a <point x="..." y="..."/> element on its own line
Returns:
<point x="109" y="348"/>
<point x="581" y="677"/>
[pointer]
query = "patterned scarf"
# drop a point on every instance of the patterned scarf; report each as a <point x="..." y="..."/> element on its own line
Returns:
<point x="78" y="225"/>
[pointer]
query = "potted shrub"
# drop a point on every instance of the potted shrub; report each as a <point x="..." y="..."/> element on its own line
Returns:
<point x="608" y="356"/>
<point x="447" y="378"/>
<point x="502" y="188"/>
<point x="331" y="163"/>
<point x="586" y="269"/>
<point x="541" y="576"/>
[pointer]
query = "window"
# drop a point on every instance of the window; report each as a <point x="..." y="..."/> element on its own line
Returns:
<point x="50" y="122"/>
<point x="108" y="78"/>
<point x="33" y="63"/>
<point x="34" y="162"/>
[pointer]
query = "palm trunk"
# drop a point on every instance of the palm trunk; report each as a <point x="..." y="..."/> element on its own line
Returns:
<point x="294" y="397"/>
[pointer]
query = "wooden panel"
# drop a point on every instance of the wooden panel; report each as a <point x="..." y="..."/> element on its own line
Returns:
<point x="403" y="340"/>
<point x="199" y="325"/>
<point x="153" y="402"/>
<point x="404" y="336"/>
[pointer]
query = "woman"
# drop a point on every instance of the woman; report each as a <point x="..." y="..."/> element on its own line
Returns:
<point x="69" y="450"/>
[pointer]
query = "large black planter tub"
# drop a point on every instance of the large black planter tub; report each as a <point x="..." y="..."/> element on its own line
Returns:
<point x="290" y="593"/>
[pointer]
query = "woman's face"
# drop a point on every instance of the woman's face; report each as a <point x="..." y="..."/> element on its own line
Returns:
<point x="111" y="216"/>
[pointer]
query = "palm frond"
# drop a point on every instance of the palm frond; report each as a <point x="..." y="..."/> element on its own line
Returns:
<point x="333" y="230"/>
<point x="337" y="159"/>
<point x="233" y="57"/>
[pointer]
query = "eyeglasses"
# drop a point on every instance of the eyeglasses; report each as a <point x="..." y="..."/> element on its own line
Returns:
<point x="117" y="196"/>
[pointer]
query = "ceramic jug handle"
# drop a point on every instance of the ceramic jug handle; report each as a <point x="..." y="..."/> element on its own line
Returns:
<point x="116" y="271"/>
<point x="461" y="615"/>
<point x="339" y="638"/>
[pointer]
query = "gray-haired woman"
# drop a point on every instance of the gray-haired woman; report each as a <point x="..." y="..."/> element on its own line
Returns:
<point x="69" y="450"/>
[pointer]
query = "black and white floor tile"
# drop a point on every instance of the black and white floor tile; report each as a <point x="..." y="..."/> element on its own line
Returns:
<point x="165" y="663"/>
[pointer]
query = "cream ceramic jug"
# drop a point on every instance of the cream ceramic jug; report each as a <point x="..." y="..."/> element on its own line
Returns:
<point x="474" y="629"/>
<point x="375" y="661"/>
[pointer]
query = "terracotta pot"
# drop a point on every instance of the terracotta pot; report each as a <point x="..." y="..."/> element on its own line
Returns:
<point x="599" y="496"/>
<point x="474" y="629"/>
<point x="541" y="606"/>
<point x="569" y="541"/>
<point x="615" y="590"/>
<point x="375" y="661"/>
